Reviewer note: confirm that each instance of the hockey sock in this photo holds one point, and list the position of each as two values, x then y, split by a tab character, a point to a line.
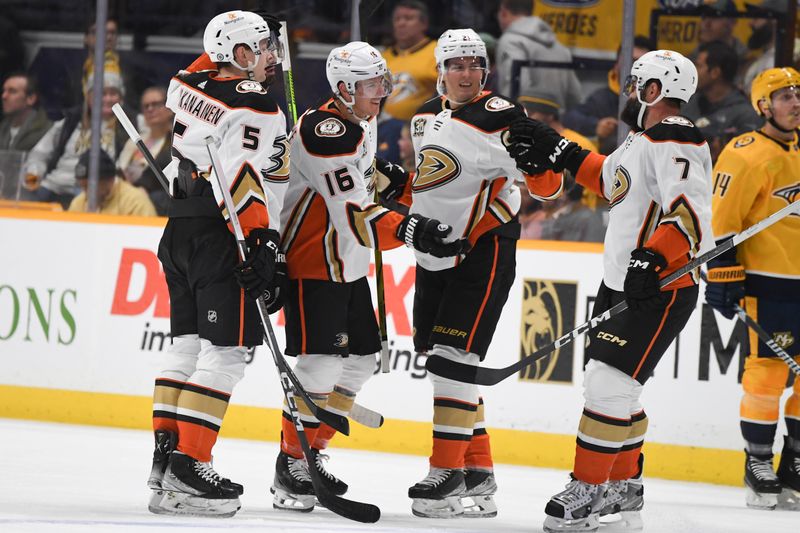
479	452
453	423
600	440
763	382
165	404
626	464
200	414
290	443
340	402
791	414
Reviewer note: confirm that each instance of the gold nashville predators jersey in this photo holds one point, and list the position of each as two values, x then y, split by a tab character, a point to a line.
464	175
658	186
413	78
754	177
252	131
329	218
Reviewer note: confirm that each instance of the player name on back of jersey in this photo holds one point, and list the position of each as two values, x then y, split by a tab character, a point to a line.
194	104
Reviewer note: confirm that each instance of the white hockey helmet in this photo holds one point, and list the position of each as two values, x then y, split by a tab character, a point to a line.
676	74
355	62
459	43
227	30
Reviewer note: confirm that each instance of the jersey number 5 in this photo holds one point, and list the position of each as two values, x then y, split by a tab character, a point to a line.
250	138
343	180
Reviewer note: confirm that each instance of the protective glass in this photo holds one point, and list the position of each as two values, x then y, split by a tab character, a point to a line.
273	45
377	87
630	86
474	64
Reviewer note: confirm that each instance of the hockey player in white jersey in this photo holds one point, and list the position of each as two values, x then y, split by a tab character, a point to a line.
330	221
658	185
213	318
465	177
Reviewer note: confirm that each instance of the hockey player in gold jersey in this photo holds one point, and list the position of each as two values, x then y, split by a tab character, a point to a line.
757	174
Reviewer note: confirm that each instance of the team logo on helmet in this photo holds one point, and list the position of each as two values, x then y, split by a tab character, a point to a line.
789	194
498	104
622	184
249	86
330	127
435	167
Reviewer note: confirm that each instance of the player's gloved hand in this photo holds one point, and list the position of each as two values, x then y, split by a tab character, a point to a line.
536	147
390	179
427	235
725	287
274	296
642	291
255	273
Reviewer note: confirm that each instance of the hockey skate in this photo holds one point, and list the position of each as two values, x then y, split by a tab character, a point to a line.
762	485
439	494
789	476
190	487
292	488
166	441
626	498
577	508
478	500
332	483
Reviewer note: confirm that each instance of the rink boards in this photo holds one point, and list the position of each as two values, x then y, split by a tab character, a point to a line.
84	316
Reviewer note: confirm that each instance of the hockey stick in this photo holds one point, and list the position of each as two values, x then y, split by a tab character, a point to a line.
763	335
360	512
385	360
288	79
338	422
366	417
492	376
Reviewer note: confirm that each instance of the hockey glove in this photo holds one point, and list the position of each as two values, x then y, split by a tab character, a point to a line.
725	287
427	235
536	147
390	179
255	273
642	286
274	296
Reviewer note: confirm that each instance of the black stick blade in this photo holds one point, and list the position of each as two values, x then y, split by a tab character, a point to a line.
357	511
338	422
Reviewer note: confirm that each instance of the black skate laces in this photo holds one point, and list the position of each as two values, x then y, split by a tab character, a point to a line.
762	470
297	469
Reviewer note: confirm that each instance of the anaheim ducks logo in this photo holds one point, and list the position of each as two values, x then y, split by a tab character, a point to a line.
541	324
249	86
790	194
330	127
435	167
342	340
498	104
622	184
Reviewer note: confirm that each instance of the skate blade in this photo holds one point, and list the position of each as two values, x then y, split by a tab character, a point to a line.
168	502
622	521
762	501
789	500
479	506
447	508
299	503
581	525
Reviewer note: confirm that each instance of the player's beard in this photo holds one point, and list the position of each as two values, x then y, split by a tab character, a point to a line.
630	113
269	80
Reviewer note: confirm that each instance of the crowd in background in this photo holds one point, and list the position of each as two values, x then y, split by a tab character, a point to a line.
54	133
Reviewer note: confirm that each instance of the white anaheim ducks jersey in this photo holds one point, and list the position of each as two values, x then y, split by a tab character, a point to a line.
252	131
329	217
464	176
658	185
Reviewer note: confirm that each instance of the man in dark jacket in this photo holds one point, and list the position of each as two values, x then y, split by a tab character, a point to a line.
24	122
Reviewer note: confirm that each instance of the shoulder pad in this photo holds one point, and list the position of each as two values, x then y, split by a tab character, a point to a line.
328	134
490	113
236	93
675	129
434	106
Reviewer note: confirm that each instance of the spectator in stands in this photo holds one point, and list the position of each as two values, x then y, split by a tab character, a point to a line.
542	105
51	164
528	38
24	122
719	28
112	60
406	149
410	59
762	39
719	108
158	139
115	196
597	116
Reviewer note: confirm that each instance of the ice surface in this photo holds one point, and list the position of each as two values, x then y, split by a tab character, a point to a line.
65	478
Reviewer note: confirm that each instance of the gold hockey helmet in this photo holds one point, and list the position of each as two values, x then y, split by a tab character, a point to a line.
769	81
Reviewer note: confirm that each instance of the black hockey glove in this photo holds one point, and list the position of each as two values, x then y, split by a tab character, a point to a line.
427	235
255	273
390	179
537	147
725	287
642	286
275	295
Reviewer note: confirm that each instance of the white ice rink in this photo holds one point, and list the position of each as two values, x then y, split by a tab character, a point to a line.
66	478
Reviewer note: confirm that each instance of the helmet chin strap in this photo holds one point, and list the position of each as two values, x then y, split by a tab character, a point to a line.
350	109
250	68
644	106
456	102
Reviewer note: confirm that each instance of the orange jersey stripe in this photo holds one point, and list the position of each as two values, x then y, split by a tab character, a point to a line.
544	185
590	173
655	336
485	296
